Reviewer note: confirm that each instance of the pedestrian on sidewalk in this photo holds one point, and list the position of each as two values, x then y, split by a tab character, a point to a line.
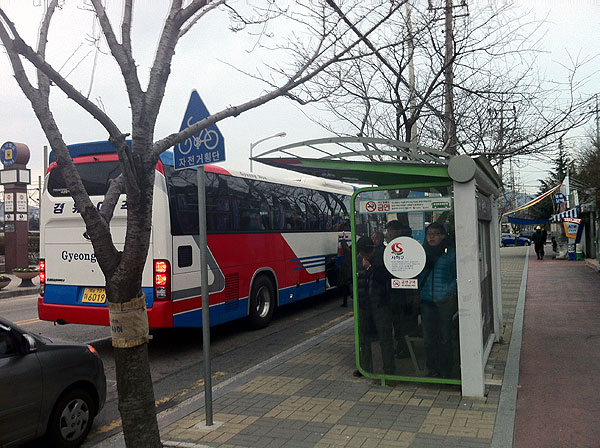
539	240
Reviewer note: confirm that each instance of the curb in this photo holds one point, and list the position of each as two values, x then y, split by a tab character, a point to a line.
504	426
593	264
18	291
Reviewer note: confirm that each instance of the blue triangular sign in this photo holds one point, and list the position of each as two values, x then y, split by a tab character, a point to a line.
205	147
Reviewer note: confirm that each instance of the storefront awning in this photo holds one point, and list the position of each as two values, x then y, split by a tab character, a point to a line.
571	213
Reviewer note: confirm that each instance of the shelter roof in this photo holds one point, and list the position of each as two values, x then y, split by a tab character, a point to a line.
370	161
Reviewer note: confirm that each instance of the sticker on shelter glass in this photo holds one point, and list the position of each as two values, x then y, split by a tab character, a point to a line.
430	204
405	283
404	257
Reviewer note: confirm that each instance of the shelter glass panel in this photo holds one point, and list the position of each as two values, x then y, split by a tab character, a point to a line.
405	284
485	274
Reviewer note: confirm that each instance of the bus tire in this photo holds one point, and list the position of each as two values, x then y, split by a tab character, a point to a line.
262	302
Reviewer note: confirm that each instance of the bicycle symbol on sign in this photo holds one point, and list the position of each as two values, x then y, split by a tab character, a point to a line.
208	138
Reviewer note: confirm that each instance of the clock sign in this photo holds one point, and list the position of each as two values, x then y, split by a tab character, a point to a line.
8	153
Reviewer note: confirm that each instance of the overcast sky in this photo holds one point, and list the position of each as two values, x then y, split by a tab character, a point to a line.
200	63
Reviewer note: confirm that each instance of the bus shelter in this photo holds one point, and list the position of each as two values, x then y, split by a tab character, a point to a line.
427	300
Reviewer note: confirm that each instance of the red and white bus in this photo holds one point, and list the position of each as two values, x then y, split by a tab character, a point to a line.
271	242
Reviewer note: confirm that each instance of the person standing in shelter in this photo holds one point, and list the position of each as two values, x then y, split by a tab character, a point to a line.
378	239
404	303
539	240
345	271
439	303
374	317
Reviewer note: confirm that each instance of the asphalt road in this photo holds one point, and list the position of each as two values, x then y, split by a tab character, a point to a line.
176	357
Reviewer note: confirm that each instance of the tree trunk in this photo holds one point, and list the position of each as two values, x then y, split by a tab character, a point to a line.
136	397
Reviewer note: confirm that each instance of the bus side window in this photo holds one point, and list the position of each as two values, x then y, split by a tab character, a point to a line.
184	256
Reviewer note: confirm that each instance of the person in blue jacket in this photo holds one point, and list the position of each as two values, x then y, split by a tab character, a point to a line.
437	283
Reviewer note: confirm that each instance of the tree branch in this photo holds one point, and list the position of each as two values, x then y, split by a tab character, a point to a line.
193	20
122	52
111	198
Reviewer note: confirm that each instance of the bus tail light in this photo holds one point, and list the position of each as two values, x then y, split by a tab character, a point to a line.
162	280
42	276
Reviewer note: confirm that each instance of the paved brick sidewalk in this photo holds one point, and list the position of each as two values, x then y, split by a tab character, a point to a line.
558	403
308	397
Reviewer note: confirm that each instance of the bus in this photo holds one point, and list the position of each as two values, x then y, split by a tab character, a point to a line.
271	242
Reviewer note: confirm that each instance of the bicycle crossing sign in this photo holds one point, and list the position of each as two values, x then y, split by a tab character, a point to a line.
207	146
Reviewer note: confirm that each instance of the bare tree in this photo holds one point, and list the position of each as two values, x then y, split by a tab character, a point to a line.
501	106
331	41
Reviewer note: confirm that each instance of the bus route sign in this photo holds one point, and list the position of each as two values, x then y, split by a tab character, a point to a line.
204	147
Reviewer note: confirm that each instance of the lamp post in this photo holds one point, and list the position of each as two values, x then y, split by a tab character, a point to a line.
252	145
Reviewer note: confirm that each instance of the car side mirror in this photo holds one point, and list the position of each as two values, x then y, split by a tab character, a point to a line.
30	344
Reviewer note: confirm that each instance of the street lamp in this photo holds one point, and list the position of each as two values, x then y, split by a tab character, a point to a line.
252	145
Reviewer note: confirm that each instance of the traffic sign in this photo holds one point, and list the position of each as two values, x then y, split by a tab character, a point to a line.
207	146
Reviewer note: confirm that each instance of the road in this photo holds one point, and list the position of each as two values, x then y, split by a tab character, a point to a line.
176	354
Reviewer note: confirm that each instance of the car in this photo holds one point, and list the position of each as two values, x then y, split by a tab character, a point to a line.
47	389
509	239
527	234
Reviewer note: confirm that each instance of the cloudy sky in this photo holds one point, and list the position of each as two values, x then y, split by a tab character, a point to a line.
206	60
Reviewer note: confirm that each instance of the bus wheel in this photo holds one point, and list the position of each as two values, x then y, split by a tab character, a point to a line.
262	302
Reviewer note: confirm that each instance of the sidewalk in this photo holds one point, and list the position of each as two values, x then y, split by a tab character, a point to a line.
308	397
558	404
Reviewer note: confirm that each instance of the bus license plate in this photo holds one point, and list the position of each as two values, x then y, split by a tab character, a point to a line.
94	295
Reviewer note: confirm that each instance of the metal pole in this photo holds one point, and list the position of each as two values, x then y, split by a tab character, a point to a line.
39	203
252	145
45	160
205	296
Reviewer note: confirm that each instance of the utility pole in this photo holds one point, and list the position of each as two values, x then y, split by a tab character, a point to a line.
597	124
449	122
411	76
501	142
450	138
499	113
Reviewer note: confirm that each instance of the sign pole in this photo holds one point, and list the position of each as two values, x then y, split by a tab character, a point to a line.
207	146
205	295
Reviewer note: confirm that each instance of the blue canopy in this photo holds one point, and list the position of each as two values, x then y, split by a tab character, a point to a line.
527	222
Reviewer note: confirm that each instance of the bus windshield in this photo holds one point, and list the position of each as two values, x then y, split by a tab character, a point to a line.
94	175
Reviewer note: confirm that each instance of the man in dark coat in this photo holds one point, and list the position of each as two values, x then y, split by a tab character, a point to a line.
539	240
374	315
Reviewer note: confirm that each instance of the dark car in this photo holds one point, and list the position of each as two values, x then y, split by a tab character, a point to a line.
47	389
527	234
510	239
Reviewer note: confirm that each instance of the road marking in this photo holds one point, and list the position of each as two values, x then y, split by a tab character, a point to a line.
116	423
33	320
105	428
330	323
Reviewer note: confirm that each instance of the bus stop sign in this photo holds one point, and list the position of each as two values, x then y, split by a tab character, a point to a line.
207	146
